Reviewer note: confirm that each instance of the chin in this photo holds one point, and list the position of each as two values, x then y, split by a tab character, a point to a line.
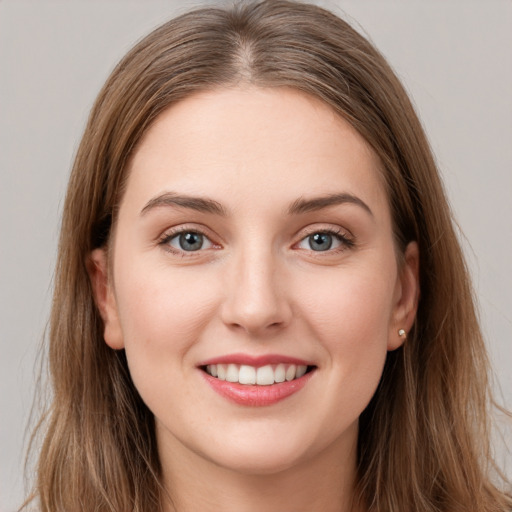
259	463
265	451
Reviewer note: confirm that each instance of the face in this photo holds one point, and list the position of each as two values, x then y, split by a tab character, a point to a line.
253	244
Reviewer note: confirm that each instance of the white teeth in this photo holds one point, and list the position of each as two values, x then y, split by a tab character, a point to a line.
290	372
265	376
262	376
247	375
221	371
233	372
301	370
280	373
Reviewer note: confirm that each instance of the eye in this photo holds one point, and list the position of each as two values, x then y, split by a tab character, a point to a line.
322	241
188	241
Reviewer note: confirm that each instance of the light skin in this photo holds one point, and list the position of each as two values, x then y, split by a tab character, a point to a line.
252	175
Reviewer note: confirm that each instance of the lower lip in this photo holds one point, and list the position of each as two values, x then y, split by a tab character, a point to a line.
256	396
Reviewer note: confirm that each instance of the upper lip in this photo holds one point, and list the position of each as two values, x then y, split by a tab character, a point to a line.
256	361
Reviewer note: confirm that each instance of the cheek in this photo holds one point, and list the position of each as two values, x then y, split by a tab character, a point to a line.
155	299
162	314
349	314
349	306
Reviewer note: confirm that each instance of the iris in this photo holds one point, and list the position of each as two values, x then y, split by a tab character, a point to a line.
320	241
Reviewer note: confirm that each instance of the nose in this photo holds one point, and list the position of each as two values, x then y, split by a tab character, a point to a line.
255	298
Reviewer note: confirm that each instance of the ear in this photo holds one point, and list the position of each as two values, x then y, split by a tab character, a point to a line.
407	293
104	296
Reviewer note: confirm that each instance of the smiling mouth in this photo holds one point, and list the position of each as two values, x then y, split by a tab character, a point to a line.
262	376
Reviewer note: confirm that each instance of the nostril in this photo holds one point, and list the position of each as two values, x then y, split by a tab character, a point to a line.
256	326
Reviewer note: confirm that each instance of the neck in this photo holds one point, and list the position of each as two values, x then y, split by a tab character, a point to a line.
321	483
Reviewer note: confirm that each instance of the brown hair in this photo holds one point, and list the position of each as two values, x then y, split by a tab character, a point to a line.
424	437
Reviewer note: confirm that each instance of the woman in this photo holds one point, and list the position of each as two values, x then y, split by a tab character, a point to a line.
260	301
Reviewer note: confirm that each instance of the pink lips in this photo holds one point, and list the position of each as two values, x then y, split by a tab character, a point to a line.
255	395
255	360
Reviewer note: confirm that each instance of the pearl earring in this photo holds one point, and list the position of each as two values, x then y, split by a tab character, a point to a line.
402	334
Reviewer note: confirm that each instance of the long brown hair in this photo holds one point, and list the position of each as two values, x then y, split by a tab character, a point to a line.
424	437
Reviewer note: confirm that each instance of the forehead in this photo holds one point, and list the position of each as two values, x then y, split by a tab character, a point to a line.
244	143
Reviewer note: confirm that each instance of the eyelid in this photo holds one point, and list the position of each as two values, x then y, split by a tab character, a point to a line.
170	233
344	236
174	241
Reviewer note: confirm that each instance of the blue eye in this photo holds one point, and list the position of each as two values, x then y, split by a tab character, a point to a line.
189	241
320	241
324	241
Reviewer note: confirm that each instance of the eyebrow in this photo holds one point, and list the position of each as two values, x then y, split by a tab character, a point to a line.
206	205
199	204
302	205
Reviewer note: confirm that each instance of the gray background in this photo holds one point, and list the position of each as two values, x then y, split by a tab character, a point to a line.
454	57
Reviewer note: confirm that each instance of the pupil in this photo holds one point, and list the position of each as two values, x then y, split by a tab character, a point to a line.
191	241
320	241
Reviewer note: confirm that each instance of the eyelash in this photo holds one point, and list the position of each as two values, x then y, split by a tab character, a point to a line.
170	235
346	242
